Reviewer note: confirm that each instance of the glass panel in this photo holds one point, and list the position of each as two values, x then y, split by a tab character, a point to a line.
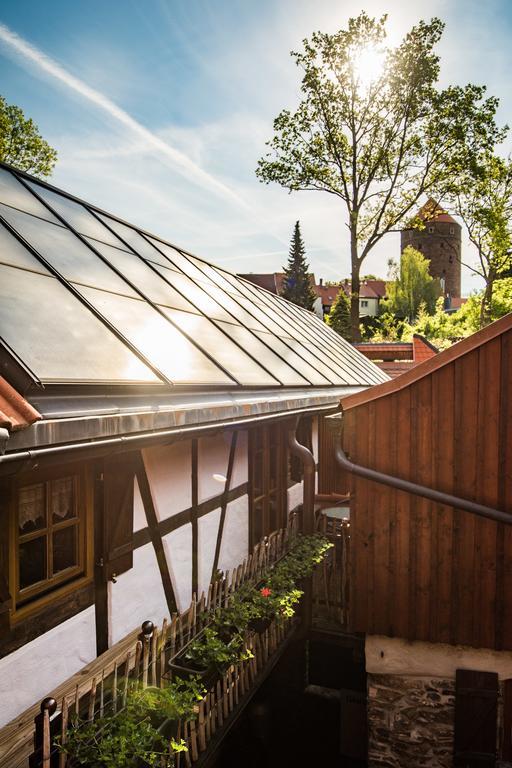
12	192
31	509
195	294
32	564
74	260
161	343
76	215
143	277
13	252
178	259
213	341
305	351
277	367
134	240
57	337
297	361
65	550
62	499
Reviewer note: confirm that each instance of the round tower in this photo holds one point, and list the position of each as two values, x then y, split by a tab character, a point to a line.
440	243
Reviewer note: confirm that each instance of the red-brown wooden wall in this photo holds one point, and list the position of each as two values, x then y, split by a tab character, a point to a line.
420	570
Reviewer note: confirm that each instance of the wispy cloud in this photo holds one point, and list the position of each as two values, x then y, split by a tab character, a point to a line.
179	161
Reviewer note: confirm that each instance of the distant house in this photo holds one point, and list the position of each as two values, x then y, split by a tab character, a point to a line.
370	295
396	358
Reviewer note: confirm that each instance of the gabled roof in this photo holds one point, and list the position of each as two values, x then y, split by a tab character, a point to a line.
15	412
433	211
446	357
88	299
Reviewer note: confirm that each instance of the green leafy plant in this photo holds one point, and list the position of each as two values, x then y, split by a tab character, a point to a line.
179	699
210	650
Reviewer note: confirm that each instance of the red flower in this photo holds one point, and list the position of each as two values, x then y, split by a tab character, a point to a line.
266	592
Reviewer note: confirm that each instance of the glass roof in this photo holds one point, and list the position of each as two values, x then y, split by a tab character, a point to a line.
87	298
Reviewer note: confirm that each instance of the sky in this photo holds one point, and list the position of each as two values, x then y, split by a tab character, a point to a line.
161	109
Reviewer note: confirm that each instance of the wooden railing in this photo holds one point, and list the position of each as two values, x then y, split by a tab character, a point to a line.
331	580
146	660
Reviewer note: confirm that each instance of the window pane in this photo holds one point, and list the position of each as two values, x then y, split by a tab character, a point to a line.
213	341
161	343
135	240
195	294
31	509
74	260
57	337
277	367
76	215
65	550
62	499
141	275
13	252
32	564
12	192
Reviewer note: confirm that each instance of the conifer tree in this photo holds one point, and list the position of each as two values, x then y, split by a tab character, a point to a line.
297	285
339	316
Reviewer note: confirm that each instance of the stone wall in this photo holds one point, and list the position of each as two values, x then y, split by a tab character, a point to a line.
410	721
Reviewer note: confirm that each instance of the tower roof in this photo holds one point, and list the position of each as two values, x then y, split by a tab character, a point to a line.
433	211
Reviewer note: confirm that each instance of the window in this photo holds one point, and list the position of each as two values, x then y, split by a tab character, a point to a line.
431	229
364	303
49	533
267	481
452	230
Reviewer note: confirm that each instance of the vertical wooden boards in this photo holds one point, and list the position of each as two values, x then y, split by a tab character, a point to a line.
195	500
381	511
504	534
401	530
359	537
443	398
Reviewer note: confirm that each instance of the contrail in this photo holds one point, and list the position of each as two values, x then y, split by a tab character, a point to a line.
177	159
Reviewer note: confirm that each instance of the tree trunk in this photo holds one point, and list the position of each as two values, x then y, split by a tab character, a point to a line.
485	306
354	293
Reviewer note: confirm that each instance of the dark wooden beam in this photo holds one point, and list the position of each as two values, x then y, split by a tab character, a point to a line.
155	535
224	502
100	556
195	502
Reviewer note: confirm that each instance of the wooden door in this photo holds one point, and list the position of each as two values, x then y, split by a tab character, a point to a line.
476	703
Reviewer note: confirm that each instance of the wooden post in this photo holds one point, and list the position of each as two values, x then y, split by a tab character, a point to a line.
147	632
43	737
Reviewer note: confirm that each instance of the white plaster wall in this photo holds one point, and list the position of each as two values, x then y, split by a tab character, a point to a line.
207	529
213	457
30	673
139	515
136	596
393	656
295	496
235	540
314	438
178	551
169	469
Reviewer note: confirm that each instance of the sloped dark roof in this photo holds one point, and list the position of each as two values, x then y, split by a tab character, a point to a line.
88	299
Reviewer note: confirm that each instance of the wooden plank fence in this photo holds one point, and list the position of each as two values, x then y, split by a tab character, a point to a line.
146	662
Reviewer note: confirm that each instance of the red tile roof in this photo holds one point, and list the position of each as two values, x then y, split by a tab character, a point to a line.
492	331
15	412
274	282
432	211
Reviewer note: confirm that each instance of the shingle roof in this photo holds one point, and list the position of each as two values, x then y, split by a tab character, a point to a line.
88	299
15	412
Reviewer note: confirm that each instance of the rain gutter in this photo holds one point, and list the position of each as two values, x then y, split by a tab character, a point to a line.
409	487
12	463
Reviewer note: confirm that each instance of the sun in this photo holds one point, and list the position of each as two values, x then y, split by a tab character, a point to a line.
368	66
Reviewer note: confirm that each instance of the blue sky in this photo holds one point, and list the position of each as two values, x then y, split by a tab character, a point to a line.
160	110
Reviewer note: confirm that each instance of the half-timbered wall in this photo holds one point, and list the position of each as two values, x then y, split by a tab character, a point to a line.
183	494
420	570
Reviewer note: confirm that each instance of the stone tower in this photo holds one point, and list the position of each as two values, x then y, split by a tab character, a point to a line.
440	243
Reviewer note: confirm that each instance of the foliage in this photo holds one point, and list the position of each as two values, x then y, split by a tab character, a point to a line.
339	315
483	200
443	328
412	285
373	129
297	284
209	649
21	144
117	741
177	700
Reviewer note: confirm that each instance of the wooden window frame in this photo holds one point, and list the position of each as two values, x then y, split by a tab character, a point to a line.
273	484
31	599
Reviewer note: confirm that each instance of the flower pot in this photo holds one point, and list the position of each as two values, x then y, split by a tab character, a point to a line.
260	624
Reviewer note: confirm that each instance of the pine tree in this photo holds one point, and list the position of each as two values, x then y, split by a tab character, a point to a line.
339	316
297	285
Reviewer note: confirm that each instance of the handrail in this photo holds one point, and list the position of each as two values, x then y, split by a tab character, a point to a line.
414	488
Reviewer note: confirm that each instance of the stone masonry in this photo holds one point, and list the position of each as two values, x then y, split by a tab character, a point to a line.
410	722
